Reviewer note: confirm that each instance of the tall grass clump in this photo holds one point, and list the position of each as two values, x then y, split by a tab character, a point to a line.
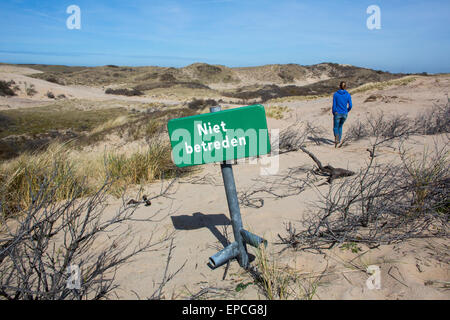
276	112
278	282
428	176
21	178
273	281
81	173
142	166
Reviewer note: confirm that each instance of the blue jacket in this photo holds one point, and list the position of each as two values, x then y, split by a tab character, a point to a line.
340	100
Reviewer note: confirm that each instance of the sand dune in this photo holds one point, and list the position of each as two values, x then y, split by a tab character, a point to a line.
20	76
414	269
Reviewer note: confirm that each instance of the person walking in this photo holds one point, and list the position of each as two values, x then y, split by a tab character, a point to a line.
341	99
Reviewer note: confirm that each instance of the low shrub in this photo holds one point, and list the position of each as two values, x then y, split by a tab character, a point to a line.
124	92
197	104
5	88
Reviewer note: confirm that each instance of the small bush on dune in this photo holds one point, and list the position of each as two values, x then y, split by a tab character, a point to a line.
197	104
5	88
124	92
53	79
295	136
435	121
381	126
31	91
388	128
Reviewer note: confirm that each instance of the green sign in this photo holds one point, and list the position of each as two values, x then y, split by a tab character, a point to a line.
219	136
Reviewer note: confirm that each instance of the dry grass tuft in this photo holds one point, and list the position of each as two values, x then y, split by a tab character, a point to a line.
384	84
276	112
278	282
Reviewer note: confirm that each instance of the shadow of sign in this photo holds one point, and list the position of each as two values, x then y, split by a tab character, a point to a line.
199	220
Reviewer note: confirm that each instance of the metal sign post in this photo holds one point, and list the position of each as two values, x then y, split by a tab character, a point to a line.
237	249
221	136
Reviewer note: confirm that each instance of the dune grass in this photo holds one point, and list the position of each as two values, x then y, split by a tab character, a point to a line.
297	98
276	112
21	179
280	282
383	84
81	173
142	166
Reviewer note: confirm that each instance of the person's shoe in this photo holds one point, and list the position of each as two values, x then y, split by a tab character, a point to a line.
336	141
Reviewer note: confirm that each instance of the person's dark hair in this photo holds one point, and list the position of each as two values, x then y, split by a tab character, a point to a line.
343	85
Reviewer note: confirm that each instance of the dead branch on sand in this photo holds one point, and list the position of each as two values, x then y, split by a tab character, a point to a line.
332	172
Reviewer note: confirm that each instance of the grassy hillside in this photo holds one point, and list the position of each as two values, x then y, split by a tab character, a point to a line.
260	82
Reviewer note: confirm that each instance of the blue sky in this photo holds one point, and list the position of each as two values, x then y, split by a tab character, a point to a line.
414	35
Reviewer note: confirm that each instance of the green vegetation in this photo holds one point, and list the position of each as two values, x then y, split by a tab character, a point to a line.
363	88
242	286
53	68
124	92
82	173
42	156
33	129
23	177
276	112
352	246
147	165
54	117
198	104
